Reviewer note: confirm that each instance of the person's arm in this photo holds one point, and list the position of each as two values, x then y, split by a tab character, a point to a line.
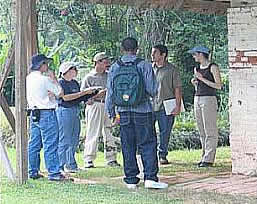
217	84
176	82
53	86
151	84
109	105
178	96
70	97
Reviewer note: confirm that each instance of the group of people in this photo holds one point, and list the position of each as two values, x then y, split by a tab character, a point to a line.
134	89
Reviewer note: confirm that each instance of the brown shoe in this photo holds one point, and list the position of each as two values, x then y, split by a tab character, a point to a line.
164	161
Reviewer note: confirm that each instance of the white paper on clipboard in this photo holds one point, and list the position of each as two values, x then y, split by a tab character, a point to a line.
170	104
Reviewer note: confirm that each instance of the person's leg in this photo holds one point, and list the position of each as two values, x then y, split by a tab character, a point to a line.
147	144
94	123
72	164
129	148
110	142
71	129
198	105
65	131
211	131
34	147
50	135
165	125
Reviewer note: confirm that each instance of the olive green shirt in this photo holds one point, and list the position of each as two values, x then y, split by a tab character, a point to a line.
168	79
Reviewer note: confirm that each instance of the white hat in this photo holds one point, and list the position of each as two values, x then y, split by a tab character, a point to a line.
65	66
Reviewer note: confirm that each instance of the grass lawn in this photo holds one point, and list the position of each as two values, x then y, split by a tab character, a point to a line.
111	190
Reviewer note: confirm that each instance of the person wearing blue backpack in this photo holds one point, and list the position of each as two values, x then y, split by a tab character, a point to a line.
130	85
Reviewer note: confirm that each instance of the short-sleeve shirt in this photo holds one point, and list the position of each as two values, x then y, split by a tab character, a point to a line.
69	87
38	87
95	79
168	78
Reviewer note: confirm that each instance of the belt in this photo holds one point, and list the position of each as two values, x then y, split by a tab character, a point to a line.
51	109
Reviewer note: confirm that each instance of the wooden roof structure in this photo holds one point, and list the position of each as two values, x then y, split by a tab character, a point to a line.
25	47
203	6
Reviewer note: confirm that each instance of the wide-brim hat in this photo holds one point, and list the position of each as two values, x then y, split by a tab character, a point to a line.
38	60
100	56
200	49
65	67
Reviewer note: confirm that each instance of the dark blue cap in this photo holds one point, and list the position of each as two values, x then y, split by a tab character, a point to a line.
201	49
38	60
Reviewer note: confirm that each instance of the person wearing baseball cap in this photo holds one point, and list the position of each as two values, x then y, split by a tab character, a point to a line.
43	122
68	116
38	60
206	81
98	123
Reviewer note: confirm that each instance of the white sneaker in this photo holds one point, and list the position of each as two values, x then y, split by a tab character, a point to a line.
131	186
72	170
155	185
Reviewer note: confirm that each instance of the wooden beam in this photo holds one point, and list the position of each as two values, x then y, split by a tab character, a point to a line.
208	7
22	7
5	161
7	111
203	6
7	67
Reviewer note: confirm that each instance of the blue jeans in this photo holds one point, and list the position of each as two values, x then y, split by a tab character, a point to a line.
44	134
165	123
69	131
136	131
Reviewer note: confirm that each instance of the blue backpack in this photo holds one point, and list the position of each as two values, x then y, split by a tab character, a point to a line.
128	84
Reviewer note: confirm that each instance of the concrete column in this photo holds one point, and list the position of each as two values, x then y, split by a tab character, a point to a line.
242	27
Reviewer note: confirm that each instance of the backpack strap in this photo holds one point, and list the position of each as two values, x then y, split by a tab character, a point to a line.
136	62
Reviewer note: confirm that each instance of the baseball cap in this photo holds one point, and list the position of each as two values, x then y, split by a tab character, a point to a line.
201	49
100	56
38	60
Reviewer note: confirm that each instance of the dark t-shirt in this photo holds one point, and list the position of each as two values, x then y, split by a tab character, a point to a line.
71	87
202	88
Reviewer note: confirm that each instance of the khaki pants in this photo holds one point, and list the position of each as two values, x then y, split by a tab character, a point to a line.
205	108
98	124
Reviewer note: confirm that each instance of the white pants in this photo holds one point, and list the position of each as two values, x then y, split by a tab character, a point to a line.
99	125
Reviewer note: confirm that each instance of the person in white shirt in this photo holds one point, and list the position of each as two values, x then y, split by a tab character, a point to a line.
42	90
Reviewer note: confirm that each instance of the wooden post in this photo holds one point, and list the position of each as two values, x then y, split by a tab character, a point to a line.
32	41
20	102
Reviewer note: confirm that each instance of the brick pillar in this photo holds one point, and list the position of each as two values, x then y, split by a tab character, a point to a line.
242	28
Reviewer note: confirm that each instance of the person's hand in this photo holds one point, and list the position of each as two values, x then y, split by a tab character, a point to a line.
88	91
100	94
51	75
116	120
90	102
198	75
194	81
176	110
51	95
